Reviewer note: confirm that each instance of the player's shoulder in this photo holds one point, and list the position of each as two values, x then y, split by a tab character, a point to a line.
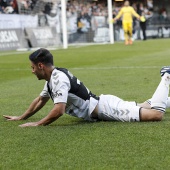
126	8
58	75
123	8
131	8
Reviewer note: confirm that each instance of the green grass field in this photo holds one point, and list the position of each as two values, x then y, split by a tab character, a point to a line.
130	72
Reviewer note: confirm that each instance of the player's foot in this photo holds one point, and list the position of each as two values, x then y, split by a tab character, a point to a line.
130	42
165	69
126	42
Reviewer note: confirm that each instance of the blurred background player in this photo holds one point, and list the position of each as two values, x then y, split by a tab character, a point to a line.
127	12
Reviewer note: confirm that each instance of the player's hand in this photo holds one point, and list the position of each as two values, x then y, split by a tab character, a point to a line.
12	117
142	19
112	20
30	124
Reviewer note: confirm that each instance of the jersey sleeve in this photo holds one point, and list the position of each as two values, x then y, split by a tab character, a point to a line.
134	13
60	86
44	92
119	14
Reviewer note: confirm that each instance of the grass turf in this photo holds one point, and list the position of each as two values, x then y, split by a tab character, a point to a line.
130	72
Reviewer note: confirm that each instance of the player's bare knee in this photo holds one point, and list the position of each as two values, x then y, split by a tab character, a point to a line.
150	115
144	105
158	115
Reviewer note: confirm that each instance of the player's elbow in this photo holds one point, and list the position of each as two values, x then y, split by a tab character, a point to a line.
60	113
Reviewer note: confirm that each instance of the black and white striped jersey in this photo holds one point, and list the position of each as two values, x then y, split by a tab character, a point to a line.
66	88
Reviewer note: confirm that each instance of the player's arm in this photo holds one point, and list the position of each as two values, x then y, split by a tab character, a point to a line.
134	13
118	15
35	106
57	111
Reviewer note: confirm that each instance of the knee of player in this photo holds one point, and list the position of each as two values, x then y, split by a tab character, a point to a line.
158	115
151	115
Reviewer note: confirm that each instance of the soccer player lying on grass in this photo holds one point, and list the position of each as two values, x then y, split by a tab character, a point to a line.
70	96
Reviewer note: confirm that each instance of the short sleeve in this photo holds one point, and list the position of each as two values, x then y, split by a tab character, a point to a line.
44	92
60	86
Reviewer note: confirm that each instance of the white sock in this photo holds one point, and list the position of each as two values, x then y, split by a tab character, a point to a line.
167	105
159	98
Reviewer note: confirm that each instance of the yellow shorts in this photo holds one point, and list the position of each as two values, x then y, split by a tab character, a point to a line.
127	27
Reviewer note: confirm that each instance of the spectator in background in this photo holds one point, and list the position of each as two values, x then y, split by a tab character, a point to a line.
5	6
9	6
83	21
71	14
1	10
163	16
14	4
8	10
2	5
24	6
135	22
32	4
150	5
141	12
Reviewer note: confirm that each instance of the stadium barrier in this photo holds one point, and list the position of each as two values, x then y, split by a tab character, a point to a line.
25	31
11	21
45	30
12	39
42	37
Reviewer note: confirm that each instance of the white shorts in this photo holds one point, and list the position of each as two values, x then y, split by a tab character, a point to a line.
113	108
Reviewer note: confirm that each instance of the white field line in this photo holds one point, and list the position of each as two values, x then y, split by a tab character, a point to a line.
78	68
94	68
11	53
117	67
24	50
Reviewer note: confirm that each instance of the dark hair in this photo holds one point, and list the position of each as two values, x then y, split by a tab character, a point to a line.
41	55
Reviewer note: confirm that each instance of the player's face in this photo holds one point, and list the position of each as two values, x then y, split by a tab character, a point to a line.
37	70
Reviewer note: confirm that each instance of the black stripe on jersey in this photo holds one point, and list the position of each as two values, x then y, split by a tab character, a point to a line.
77	87
49	91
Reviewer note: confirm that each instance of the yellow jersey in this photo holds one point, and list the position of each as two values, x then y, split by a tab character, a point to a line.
127	12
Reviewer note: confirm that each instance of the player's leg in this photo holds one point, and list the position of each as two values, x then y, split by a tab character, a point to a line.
130	31
147	103
143	27
112	108
158	101
150	115
125	29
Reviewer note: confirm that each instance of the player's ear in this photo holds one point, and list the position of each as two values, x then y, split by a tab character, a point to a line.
40	66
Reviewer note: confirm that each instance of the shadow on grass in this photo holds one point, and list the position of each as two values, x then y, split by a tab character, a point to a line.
67	120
